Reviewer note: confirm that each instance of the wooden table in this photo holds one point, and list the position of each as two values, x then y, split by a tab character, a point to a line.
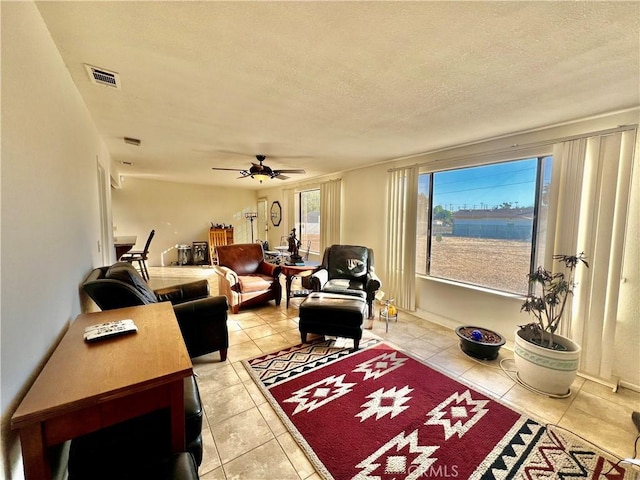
88	386
290	271
123	244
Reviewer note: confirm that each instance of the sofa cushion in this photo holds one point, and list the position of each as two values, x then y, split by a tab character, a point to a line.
125	272
345	286
254	283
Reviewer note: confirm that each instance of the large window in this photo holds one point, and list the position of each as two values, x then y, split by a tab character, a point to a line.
308	219
481	225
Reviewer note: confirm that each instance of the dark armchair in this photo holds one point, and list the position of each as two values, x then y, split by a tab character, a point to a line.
245	278
349	270
135	448
202	318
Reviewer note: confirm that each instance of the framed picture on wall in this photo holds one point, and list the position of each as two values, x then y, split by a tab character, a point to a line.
200	253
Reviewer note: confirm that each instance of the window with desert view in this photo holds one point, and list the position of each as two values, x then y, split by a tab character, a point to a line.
481	225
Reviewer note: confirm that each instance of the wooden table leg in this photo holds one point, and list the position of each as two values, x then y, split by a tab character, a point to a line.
34	453
177	417
288	282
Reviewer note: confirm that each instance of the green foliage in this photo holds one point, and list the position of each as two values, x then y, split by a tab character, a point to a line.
549	294
440	213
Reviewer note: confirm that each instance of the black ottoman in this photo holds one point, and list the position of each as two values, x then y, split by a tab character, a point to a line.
333	314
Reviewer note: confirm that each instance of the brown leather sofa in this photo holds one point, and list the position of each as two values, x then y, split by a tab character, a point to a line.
245	278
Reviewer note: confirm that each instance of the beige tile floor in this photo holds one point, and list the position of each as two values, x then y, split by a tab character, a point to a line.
244	439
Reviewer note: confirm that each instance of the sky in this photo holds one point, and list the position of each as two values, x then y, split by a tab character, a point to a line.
486	186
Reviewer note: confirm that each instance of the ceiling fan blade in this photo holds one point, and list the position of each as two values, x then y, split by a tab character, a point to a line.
229	169
299	170
281	177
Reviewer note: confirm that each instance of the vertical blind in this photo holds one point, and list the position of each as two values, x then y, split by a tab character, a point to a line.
591	185
402	207
330	207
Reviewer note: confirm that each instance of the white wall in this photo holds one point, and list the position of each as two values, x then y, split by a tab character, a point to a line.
50	216
180	213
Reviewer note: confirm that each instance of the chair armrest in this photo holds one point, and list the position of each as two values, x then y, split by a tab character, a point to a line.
318	278
228	274
203	323
373	282
184	292
215	306
270	269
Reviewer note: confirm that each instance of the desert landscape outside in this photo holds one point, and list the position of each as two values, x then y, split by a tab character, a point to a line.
493	263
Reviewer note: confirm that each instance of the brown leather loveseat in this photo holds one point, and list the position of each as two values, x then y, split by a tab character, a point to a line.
245	278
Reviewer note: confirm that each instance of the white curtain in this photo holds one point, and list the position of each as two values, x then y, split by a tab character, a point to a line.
401	236
591	184
289	209
330	208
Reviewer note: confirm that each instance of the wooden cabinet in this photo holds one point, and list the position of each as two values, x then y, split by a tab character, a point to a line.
219	236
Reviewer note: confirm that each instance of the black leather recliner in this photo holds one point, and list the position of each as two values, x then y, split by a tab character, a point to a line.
202	318
347	270
136	448
140	448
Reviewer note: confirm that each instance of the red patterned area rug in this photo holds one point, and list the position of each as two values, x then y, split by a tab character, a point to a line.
380	414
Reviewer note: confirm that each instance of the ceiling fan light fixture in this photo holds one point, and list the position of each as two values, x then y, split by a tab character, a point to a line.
260	176
261	172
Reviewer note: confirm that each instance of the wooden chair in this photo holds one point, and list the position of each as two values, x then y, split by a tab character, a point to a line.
216	238
140	256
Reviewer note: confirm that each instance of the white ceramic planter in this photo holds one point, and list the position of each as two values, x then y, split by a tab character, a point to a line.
549	371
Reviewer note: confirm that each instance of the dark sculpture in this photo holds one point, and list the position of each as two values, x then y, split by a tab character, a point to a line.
294	247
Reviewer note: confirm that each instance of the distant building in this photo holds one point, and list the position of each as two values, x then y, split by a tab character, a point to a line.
500	223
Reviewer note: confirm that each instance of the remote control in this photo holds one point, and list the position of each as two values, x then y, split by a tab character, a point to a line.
109	329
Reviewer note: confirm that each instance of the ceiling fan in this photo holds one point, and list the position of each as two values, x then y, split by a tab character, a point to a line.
262	172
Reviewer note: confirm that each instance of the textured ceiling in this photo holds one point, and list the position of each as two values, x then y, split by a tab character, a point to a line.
329	86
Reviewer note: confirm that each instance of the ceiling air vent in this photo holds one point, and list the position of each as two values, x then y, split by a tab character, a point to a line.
100	76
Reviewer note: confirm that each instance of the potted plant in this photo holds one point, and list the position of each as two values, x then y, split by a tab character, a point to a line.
545	360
